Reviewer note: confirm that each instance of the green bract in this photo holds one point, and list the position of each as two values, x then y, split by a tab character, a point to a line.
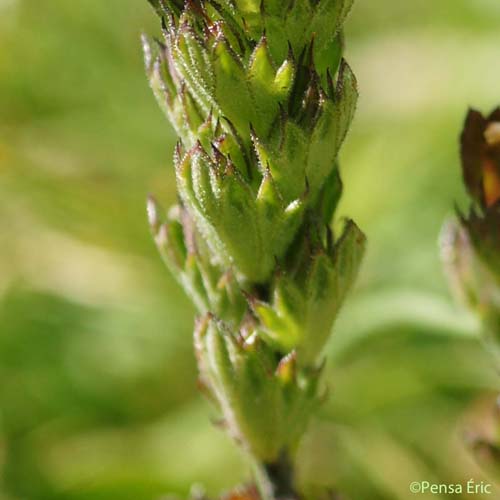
261	100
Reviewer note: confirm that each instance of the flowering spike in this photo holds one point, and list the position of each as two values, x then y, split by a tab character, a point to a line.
257	175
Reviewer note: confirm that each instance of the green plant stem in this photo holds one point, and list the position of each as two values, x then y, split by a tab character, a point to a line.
275	480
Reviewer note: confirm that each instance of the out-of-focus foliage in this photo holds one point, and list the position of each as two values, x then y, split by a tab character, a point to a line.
98	394
471	243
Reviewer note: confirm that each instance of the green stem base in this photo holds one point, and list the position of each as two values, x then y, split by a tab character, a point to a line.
275	481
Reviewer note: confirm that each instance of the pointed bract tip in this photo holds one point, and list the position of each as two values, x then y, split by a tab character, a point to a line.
152	209
287	368
161	237
201	325
179	151
250	298
146	50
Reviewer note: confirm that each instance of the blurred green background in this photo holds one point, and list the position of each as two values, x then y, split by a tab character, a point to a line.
98	394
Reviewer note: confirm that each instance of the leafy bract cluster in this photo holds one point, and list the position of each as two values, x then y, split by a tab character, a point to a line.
261	100
258	139
265	405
